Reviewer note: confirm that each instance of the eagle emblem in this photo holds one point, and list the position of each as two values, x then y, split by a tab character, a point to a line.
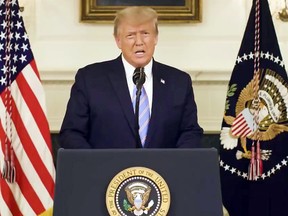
272	116
138	195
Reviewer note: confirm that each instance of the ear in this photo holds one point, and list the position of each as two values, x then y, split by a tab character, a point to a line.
118	41
156	40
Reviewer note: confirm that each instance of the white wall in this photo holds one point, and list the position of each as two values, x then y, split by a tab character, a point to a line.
207	50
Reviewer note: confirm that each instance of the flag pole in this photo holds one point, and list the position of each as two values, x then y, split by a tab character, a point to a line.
9	170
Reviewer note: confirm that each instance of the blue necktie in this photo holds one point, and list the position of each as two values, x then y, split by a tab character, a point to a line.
144	114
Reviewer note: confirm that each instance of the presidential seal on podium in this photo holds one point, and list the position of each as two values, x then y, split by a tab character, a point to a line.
138	191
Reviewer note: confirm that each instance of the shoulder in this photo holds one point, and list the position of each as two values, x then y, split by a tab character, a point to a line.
170	71
97	67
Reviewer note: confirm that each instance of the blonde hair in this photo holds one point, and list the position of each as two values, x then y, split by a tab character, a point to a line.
136	15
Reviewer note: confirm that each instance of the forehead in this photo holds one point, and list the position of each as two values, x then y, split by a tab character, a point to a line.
137	27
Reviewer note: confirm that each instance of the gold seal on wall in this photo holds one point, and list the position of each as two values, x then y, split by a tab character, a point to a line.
138	191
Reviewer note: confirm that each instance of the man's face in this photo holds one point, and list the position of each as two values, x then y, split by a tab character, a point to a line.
137	42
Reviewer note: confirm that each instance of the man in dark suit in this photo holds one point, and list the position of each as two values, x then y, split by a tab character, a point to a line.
100	112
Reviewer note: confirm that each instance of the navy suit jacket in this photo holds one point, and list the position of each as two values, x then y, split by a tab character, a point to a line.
100	113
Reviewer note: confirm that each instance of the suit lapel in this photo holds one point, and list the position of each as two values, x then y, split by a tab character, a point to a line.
118	79
159	87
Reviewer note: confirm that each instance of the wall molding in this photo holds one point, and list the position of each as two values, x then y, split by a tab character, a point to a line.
209	89
197	76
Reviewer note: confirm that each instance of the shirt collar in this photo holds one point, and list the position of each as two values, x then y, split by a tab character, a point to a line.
129	69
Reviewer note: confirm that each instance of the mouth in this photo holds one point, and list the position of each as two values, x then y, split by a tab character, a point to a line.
140	52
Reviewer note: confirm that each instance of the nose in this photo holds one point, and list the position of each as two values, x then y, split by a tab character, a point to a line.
139	40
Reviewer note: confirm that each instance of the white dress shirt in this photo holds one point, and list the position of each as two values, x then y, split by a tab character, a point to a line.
148	85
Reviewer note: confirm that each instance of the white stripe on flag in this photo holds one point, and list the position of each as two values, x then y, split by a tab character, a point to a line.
36	85
32	129
22	203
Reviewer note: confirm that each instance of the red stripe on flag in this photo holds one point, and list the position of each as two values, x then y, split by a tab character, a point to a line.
239	120
240	117
35	109
26	188
238	128
5	190
35	69
31	151
244	132
9	199
236	124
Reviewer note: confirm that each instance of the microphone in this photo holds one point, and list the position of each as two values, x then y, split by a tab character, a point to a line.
138	79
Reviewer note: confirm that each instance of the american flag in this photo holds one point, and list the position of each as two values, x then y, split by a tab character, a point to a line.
26	161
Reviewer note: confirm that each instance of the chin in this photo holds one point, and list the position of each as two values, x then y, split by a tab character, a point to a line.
141	63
